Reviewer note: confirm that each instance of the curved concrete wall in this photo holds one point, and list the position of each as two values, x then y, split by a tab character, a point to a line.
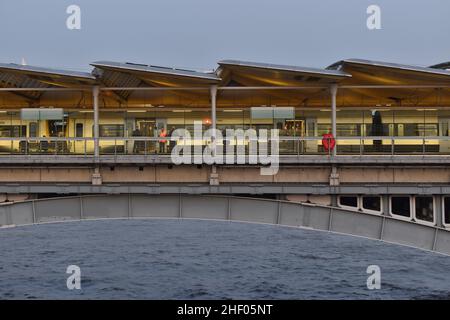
284	213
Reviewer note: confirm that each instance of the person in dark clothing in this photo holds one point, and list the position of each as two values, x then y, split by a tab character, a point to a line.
172	142
136	144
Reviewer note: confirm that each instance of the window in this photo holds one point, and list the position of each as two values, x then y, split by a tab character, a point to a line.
348	201
13	131
424	208
110	130
372	203
33	129
342	129
401	206
447	210
79	130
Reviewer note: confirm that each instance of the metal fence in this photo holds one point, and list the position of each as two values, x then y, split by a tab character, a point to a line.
295	146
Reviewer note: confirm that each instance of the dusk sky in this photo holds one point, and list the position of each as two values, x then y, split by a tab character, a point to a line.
198	33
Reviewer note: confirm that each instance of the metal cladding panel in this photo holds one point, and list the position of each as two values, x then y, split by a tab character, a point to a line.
402	232
205	207
4	216
22	213
99	207
292	215
319	217
254	210
357	224
161	206
67	209
443	242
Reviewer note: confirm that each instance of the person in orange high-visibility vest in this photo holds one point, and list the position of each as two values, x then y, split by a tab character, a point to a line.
162	142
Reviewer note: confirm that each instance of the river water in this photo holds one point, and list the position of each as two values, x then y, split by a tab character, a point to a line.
186	259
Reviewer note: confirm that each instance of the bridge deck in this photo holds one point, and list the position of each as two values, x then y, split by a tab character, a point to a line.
322	218
283	159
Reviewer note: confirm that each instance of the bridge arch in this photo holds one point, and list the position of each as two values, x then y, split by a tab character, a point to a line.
231	208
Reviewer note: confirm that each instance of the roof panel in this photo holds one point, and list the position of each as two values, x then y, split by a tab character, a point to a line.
150	69
443	65
12	67
285	68
389	65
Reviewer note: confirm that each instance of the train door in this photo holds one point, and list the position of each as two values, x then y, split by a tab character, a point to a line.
311	146
79	144
444	131
58	129
145	128
290	128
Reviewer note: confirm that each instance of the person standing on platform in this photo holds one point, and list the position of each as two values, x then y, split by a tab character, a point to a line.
162	142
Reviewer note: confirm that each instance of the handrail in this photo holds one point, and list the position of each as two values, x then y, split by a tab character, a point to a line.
281	138
287	145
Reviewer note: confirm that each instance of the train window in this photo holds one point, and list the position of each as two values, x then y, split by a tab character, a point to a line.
79	130
401	206
111	130
33	129
13	131
447	210
372	203
424	208
348	201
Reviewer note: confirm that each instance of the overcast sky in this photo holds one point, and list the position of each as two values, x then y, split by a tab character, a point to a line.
198	33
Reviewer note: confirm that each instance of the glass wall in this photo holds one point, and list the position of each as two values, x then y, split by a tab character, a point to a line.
359	131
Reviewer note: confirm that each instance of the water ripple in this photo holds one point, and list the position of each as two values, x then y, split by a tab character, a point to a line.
186	259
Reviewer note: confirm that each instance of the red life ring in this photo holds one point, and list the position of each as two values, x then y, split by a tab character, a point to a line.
328	142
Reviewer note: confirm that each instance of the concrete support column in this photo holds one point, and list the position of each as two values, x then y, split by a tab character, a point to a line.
334	177
439	199
95	93
96	176
214	177
213	92
333	90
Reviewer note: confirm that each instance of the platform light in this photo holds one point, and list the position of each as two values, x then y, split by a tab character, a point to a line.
181	111
232	110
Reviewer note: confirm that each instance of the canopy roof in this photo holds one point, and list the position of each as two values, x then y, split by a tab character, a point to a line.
23	76
156	75
362	82
246	73
366	72
443	65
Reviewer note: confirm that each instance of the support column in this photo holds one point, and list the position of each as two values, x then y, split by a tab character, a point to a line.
213	92
333	90
95	93
214	177
96	176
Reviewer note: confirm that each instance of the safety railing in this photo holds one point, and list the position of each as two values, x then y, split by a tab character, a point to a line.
294	146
